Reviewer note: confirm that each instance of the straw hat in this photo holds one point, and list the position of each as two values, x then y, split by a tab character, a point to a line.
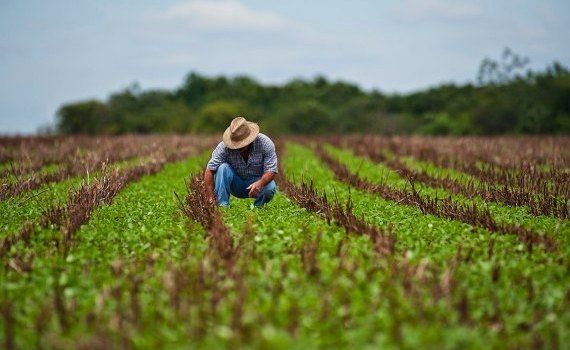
240	133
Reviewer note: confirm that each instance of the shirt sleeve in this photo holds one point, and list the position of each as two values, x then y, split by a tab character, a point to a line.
269	157
219	156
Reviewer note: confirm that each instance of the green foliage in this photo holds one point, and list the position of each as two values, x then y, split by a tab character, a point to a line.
29	206
141	275
82	118
445	124
374	172
506	100
165	117
216	116
304	117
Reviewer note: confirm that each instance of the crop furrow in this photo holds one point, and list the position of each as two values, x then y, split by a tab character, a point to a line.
501	152
544	204
82	202
414	280
442	207
73	163
198	208
508	165
77	211
306	196
222	249
30	154
13	189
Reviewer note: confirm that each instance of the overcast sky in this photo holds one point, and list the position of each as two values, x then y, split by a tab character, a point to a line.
52	52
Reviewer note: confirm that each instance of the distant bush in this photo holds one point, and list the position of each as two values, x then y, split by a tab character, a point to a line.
506	100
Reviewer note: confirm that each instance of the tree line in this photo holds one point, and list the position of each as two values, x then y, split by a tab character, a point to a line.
507	98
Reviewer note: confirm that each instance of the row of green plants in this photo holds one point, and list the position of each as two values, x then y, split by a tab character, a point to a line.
501	213
434	238
64	288
141	274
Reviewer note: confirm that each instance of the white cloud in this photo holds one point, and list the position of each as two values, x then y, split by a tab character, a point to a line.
223	15
438	9
228	36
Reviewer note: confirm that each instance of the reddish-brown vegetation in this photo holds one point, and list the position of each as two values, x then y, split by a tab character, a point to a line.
238	292
443	207
532	165
546	204
306	196
82	155
463	152
224	256
198	208
23	234
78	209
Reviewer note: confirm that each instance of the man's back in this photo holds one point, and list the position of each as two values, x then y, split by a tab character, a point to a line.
262	158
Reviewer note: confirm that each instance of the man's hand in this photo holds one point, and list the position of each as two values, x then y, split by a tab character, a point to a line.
211	198
209	186
254	189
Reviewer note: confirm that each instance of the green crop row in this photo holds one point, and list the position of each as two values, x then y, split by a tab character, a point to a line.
29	206
10	178
143	221
518	216
436	240
141	275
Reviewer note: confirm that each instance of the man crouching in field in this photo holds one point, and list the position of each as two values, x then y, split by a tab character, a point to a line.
244	164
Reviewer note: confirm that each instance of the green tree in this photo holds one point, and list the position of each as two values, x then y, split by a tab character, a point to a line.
82	118
304	117
505	100
216	116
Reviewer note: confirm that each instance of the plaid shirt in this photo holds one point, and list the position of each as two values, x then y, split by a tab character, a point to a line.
262	158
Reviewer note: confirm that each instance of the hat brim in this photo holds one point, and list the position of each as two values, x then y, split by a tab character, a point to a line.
253	127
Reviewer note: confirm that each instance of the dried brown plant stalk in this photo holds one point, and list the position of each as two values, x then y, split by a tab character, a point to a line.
198	208
84	155
306	196
533	165
543	203
444	207
82	201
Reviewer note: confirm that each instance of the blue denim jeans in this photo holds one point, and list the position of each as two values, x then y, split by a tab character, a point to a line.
228	182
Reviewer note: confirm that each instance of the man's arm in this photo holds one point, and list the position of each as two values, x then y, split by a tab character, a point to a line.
255	187
218	157
209	185
269	168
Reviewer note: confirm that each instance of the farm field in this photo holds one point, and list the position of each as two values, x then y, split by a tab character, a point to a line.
370	242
